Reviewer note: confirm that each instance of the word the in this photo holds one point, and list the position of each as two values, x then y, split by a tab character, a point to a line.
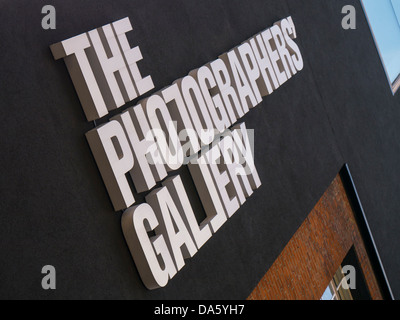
103	68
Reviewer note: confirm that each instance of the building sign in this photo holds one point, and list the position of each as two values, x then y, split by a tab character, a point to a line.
192	122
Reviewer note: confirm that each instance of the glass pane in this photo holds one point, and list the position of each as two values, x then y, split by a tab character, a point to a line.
327	294
386	28
396	7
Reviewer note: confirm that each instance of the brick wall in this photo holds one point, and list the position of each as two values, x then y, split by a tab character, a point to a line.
307	264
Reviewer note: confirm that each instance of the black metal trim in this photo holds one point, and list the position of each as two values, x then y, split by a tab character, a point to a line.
365	231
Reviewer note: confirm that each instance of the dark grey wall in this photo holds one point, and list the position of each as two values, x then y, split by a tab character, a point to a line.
54	207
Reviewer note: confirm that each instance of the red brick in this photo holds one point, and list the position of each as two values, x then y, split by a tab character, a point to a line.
309	261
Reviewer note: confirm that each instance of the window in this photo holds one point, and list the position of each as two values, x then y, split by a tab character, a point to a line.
384	20
336	290
352	288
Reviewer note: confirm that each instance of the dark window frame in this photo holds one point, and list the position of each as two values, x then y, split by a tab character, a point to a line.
365	231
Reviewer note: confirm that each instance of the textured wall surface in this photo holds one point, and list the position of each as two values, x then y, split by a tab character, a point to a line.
309	261
55	210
